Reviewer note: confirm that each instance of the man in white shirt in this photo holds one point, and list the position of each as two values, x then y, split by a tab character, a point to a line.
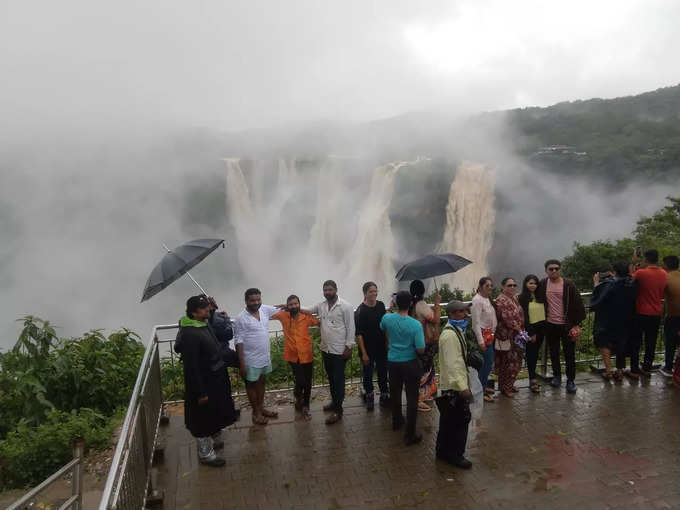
251	336
337	339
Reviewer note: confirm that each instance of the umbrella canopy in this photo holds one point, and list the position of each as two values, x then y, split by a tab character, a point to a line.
432	265
177	262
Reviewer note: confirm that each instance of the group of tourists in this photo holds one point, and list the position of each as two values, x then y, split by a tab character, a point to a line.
400	343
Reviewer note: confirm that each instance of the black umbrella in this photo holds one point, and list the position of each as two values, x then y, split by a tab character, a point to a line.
432	265
177	262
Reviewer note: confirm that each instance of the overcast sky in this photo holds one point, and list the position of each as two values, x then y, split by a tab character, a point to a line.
233	65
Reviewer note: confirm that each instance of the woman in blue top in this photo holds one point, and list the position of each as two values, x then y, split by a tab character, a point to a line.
405	340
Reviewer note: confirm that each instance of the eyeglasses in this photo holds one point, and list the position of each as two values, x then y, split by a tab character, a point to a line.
551	269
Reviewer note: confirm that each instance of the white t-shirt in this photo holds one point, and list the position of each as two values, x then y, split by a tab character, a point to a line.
254	335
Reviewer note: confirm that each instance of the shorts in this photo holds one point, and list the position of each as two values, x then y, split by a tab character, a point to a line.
253	374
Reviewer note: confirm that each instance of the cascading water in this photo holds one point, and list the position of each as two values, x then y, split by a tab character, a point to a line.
470	222
374	248
327	234
249	238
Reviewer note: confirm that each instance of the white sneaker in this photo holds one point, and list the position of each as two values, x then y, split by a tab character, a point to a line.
665	372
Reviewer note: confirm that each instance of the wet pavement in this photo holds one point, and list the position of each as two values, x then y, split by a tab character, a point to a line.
608	446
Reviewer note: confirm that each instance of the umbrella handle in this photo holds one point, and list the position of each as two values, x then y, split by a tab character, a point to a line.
435	284
189	274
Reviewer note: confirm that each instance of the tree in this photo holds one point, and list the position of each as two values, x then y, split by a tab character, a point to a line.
661	230
587	259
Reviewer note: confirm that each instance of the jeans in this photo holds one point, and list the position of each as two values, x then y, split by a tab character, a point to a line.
380	363
454	419
302	373
487	366
335	369
554	334
671	330
405	374
534	348
647	327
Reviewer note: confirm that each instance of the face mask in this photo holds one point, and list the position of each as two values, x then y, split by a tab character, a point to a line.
462	323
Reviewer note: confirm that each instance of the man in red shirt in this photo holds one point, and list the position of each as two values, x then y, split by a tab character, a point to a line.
651	282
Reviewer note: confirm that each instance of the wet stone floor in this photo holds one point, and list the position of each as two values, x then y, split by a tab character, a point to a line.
608	446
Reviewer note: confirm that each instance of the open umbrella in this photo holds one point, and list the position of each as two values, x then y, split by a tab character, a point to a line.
432	265
177	262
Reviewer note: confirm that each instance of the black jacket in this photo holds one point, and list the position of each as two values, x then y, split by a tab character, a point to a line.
205	375
574	311
613	302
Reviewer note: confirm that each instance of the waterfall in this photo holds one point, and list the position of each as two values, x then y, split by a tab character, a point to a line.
250	240
370	257
327	234
470	222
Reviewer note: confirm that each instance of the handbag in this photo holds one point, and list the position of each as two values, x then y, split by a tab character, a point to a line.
473	356
521	340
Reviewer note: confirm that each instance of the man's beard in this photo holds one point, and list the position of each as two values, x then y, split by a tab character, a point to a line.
294	311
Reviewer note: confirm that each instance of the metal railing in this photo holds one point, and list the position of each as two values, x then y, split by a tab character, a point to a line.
129	477
75	467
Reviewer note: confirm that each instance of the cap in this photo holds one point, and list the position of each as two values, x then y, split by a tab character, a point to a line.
453	306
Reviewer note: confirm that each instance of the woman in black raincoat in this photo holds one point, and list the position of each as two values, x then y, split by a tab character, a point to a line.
208	408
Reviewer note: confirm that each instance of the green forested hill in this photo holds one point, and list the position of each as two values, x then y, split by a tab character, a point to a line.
622	138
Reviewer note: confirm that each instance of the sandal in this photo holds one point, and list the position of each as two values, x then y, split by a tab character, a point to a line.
269	414
618	375
306	414
535	387
489	391
424	407
489	398
606	376
508	394
260	420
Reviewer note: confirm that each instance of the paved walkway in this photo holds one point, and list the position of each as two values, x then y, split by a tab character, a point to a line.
609	446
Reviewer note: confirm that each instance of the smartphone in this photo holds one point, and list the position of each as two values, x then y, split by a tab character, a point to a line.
638	251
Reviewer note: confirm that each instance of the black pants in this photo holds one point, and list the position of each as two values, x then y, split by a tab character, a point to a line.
644	327
302	373
672	334
534	348
405	374
335	369
454	419
554	334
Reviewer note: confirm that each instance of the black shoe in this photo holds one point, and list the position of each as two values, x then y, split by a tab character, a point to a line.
398	423
329	407
556	382
333	418
571	387
218	444
462	463
408	441
216	462
385	402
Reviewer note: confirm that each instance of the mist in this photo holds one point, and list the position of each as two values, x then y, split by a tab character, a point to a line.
117	120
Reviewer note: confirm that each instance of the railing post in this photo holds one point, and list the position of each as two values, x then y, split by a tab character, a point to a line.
77	481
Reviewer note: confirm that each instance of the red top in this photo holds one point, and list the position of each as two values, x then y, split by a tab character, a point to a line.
651	283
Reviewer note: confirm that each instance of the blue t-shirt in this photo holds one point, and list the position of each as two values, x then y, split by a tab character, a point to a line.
405	336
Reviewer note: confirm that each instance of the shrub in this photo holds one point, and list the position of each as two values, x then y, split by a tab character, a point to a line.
30	454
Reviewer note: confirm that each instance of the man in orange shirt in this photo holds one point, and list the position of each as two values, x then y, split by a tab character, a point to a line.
297	350
651	282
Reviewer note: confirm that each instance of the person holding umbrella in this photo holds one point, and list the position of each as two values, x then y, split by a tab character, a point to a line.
207	407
